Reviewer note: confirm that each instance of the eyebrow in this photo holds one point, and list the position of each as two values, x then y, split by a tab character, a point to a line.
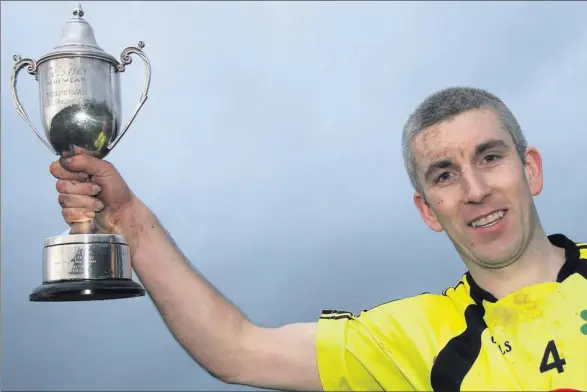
479	150
489	144
438	165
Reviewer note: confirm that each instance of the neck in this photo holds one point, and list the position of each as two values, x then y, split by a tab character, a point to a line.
539	263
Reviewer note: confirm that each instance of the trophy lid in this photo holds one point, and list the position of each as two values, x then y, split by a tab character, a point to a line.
77	37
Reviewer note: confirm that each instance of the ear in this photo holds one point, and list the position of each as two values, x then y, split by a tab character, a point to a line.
427	213
533	169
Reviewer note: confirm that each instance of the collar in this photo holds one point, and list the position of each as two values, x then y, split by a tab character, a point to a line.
571	265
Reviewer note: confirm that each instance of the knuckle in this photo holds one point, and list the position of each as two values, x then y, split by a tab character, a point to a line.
91	189
108	166
71	162
87	202
98	205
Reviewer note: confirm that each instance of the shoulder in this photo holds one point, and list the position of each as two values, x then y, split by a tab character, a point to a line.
408	315
393	343
422	303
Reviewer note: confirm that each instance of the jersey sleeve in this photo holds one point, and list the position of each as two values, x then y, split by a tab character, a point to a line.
369	352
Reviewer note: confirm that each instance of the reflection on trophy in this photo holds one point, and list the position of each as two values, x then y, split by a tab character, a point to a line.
79	87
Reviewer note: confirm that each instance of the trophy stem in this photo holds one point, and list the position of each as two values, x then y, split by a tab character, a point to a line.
86	227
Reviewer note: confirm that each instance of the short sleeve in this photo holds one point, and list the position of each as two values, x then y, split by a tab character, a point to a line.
354	356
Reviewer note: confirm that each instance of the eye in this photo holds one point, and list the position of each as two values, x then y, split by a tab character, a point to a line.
492	158
445	176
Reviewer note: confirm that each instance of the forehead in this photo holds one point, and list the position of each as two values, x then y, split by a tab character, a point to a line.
458	136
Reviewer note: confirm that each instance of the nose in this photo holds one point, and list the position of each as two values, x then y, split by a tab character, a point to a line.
476	187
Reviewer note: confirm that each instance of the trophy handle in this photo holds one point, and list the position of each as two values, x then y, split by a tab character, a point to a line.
125	60
32	69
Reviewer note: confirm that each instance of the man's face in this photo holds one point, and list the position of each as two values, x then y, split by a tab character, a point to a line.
476	187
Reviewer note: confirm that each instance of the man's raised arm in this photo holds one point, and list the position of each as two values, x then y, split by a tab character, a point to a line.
211	329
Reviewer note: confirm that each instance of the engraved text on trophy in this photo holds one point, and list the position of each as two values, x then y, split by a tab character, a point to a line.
69	79
76	264
80	104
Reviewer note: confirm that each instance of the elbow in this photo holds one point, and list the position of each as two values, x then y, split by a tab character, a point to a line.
228	361
229	367
232	373
225	375
223	368
232	376
223	371
237	366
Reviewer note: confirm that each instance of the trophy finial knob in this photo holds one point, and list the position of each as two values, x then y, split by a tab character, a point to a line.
78	11
77	34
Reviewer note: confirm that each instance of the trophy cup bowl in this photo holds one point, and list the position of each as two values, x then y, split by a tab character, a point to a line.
80	102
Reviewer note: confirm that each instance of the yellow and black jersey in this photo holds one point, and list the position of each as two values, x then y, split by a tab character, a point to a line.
465	339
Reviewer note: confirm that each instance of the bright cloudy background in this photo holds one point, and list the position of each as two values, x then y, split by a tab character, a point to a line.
270	149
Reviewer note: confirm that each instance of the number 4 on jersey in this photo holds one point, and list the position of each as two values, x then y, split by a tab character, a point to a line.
551	359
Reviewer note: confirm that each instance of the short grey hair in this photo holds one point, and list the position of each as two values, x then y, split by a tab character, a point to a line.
446	104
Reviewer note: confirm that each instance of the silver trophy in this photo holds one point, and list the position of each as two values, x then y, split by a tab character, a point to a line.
79	87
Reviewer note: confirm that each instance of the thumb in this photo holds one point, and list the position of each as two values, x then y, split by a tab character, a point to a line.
92	166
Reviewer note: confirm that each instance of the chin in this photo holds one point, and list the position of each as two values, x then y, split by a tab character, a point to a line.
496	263
497	255
494	254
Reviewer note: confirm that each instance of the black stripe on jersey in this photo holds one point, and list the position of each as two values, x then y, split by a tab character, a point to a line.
477	293
456	359
572	255
339	317
331	314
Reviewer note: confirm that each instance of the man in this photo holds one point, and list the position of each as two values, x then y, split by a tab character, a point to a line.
515	321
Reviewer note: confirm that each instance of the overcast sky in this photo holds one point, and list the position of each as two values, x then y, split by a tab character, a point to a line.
270	149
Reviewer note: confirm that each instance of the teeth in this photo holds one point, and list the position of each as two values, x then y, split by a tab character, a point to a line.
489	219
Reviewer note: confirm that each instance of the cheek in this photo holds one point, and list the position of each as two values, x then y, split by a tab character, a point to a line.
509	177
443	208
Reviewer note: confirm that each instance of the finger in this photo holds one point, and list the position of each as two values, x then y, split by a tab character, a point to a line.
78	187
74	151
59	172
77	215
88	164
87	203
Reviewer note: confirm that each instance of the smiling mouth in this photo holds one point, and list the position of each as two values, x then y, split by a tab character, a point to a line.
489	220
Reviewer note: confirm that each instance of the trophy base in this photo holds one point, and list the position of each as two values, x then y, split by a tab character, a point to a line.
86	267
86	290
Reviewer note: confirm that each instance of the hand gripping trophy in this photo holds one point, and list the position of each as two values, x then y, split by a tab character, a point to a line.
80	106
